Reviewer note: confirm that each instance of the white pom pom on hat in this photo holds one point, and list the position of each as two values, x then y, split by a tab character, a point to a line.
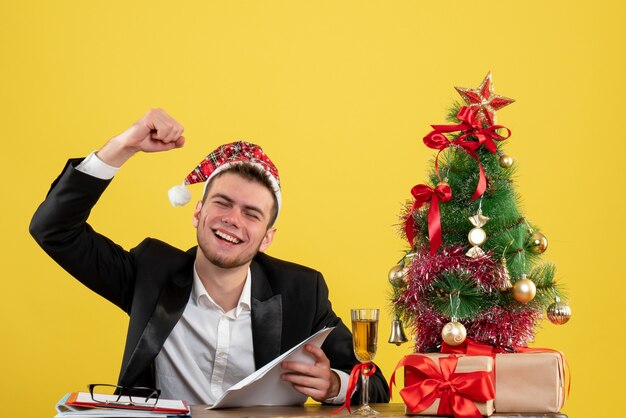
179	195
220	159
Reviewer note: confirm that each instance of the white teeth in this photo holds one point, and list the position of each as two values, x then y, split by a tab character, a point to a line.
227	237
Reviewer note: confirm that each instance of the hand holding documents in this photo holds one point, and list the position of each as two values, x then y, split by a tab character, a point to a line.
265	387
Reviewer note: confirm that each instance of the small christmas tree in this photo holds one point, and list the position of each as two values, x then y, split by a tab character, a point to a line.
472	267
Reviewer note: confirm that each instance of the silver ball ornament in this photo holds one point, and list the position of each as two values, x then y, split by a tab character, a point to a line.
559	313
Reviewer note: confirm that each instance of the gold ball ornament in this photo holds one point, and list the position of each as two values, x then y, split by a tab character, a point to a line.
524	290
453	333
397	274
505	161
559	313
537	243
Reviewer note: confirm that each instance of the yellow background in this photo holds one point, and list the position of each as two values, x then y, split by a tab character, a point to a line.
339	94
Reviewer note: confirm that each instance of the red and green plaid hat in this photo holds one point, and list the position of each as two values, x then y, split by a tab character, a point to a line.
225	156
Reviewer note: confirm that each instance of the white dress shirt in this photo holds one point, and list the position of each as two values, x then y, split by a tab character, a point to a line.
209	350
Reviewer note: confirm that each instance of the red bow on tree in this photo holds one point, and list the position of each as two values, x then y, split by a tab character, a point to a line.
457	391
470	128
424	194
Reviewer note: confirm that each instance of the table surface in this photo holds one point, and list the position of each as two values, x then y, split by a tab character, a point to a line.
386	410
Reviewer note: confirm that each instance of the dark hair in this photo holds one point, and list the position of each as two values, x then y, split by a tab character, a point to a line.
252	173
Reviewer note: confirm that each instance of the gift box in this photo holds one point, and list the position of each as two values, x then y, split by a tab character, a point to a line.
529	382
443	382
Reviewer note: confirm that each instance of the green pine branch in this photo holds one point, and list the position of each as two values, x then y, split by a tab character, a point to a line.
458	284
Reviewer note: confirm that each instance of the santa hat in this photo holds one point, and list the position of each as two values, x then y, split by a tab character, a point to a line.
225	156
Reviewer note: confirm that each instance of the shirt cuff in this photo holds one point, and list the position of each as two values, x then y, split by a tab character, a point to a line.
95	167
341	396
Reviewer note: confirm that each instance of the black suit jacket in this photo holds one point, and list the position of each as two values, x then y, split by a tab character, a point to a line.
152	283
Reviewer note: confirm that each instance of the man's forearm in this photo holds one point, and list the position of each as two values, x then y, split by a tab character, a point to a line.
115	152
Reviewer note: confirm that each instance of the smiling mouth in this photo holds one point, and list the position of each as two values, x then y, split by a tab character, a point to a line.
226	237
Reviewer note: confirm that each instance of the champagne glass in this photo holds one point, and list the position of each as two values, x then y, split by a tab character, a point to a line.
364	338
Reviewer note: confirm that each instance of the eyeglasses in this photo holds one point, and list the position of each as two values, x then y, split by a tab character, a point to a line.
124	396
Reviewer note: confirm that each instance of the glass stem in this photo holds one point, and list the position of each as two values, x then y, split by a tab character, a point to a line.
365	390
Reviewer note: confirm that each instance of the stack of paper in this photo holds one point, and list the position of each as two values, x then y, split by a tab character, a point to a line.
80	405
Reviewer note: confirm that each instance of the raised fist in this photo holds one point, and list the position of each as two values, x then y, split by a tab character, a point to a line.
155	131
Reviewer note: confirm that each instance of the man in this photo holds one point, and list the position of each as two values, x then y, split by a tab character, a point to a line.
200	320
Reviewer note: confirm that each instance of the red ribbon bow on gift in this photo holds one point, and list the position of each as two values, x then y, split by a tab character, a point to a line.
366	369
424	194
457	391
470	128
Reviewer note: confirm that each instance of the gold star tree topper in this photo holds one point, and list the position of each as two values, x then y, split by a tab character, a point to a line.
484	100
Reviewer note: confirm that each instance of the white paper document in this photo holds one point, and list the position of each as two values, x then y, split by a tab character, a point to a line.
265	387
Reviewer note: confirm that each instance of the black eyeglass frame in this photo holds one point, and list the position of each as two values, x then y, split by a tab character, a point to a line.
148	402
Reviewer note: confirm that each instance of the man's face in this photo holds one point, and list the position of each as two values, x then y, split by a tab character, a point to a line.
232	224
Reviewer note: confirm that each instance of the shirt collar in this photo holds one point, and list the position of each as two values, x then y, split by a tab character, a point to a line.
202	298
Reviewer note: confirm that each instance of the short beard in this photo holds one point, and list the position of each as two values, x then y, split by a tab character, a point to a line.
227	263
224	263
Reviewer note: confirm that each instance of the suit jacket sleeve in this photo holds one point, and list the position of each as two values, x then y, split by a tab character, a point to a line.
60	227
